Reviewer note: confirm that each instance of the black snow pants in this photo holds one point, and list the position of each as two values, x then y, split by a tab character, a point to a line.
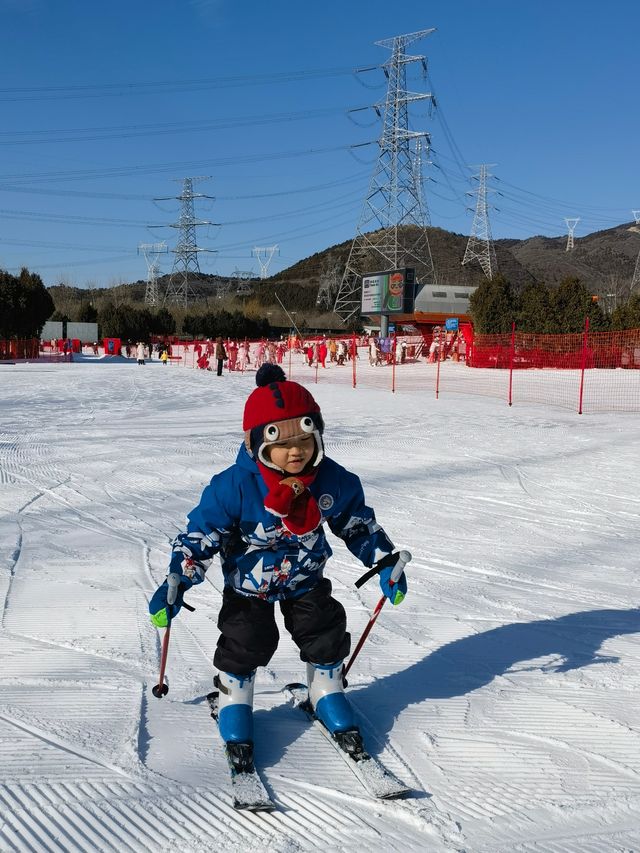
249	634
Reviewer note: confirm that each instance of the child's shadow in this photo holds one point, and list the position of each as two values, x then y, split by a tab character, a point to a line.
465	665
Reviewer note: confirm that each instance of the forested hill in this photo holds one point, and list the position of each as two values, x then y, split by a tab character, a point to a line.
603	261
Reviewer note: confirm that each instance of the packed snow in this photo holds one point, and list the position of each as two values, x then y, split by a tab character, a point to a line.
503	690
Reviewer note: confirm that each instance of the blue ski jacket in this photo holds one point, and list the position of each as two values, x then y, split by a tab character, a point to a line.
259	557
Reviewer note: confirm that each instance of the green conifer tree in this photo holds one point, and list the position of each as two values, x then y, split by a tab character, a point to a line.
536	310
493	306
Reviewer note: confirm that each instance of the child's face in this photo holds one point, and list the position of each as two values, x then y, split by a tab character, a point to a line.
292	455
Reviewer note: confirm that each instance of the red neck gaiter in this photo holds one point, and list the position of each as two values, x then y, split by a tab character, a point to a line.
290	498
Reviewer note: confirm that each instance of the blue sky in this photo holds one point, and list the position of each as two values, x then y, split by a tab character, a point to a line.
106	106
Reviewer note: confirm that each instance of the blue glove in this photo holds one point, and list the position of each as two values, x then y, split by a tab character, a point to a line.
396	592
158	607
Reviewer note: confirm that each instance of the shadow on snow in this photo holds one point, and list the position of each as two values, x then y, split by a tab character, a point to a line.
465	665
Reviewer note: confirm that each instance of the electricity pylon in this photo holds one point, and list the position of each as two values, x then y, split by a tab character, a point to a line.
571	225
635	281
151	252
394	199
243	280
329	283
185	263
480	243
264	254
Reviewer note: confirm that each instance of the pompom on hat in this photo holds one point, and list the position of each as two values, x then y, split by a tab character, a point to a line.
278	410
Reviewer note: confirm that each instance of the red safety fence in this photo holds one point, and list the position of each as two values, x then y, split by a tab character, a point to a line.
586	372
17	350
30	349
605	350
589	371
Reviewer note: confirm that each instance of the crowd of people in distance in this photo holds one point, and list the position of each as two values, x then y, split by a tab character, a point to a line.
446	344
238	355
337	351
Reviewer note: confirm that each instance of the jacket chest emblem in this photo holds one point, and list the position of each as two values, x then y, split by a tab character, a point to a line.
325	502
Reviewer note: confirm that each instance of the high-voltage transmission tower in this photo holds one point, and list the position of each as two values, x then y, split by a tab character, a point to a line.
185	264
242	280
394	199
480	243
329	283
151	252
635	281
264	254
571	225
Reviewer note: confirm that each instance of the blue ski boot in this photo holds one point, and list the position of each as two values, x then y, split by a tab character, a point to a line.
327	699
235	706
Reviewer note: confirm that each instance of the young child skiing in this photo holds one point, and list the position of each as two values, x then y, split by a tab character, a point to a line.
264	515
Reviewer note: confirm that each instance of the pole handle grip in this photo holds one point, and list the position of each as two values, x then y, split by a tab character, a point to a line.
173	582
404	557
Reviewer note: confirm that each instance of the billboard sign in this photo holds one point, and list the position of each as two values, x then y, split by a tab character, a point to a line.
388	292
451	324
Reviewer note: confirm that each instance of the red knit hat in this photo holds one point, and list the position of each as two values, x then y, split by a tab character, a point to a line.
279	410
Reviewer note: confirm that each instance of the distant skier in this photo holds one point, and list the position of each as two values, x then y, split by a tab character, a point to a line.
221	355
264	515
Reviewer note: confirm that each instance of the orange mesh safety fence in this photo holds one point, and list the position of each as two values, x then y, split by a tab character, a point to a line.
613	385
596	372
592	372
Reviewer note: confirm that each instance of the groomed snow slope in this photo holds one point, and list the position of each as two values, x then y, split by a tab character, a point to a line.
504	689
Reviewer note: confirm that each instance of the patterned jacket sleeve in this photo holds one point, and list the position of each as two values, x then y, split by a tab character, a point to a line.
193	550
356	524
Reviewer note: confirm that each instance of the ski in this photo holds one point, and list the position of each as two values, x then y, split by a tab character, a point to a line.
248	789
371	773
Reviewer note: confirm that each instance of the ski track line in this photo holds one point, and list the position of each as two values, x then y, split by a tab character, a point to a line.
595	510
13	562
119	664
386	746
326	814
625	833
508	472
111	509
597	715
536	520
535	780
527	585
102	529
56	742
610	764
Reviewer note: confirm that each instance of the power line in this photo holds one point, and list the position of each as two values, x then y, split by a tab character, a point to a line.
92	134
125	171
102	90
70	219
8	188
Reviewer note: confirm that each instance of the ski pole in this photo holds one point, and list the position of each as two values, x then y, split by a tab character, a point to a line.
403	558
173	581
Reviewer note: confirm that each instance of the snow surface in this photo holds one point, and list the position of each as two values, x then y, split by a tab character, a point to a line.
504	689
